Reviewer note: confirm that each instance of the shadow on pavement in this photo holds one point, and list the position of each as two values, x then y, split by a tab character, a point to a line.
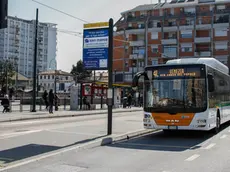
19	153
28	151
159	141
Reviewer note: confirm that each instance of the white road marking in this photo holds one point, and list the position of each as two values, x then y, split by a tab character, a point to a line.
192	158
66	132
223	137
210	146
10	135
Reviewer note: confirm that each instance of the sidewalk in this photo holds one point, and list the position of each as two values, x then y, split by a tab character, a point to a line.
19	116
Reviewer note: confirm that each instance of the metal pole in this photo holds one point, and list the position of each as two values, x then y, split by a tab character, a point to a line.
146	41
110	83
37	82
7	77
229	45
35	63
16	78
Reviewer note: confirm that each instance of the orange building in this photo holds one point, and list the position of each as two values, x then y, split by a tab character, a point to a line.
152	34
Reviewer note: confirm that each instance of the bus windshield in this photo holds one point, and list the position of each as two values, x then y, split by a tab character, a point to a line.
175	94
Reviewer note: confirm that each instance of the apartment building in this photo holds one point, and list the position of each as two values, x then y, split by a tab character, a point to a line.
17	44
152	34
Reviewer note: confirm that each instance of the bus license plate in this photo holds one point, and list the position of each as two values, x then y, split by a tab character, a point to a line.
172	127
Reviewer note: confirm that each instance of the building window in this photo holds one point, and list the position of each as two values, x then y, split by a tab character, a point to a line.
154	50
143	13
67	78
170	51
40	77
45	77
186	49
154	35
186	34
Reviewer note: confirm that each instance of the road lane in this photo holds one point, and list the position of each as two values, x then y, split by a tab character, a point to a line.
179	152
20	140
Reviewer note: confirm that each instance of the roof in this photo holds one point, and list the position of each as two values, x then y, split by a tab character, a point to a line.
55	72
20	77
212	62
186	3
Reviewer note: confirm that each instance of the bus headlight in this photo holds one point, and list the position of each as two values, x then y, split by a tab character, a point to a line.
147	116
201	121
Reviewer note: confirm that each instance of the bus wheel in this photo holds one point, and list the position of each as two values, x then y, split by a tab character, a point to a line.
217	129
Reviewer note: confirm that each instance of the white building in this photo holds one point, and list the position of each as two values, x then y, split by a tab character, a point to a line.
17	42
63	82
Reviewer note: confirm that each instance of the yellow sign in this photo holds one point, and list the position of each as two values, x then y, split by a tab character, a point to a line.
96	25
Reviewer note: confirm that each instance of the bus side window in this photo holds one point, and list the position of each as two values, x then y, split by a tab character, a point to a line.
211	85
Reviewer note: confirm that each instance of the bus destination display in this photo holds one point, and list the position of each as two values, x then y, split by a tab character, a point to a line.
178	72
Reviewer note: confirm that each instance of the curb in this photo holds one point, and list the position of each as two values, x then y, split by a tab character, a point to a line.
107	140
62	116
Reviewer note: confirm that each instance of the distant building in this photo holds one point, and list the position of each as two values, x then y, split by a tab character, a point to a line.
17	42
64	80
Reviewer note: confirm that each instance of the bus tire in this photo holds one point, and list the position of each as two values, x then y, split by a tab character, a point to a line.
217	128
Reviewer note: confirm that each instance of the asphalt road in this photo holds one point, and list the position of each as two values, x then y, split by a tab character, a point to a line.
25	139
179	152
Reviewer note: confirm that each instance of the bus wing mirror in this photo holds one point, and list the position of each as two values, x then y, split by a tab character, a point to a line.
211	85
136	79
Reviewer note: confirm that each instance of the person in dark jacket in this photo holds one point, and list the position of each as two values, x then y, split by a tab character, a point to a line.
51	101
5	103
85	102
129	100
45	98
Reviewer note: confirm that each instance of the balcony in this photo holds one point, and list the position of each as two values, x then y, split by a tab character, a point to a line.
137	43
202	39
169	41
136	56
203	53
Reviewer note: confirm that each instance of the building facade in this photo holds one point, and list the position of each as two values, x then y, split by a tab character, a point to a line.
152	34
63	80
18	41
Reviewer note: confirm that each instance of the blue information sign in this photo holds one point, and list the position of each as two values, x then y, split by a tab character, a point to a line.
95	48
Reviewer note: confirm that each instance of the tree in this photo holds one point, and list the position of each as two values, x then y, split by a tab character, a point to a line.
80	72
6	73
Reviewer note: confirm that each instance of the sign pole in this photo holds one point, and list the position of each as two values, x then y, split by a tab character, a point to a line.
110	81
98	55
35	63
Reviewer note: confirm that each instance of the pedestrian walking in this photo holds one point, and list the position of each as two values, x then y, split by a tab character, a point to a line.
5	103
129	100
51	101
45	98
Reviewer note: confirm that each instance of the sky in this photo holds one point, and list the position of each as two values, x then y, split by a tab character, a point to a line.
69	47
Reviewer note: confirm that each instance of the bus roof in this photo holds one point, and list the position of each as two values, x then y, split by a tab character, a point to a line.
211	62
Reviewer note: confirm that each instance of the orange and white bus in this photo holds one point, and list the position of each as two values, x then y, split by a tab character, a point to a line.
186	94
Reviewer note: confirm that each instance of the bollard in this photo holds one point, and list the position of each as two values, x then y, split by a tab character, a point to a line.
21	106
64	103
10	106
40	107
